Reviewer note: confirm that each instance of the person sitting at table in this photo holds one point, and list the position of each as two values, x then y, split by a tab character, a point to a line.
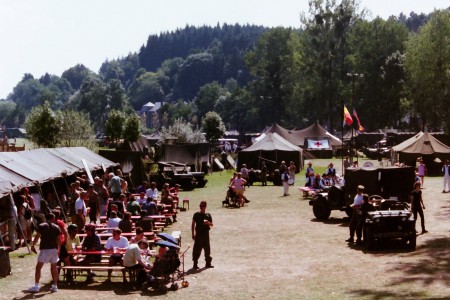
133	206
167	191
91	243
150	207
139	235
152	191
133	260
114	220
125	224
141	199
116	242
120	208
72	240
142	188
170	206
145	222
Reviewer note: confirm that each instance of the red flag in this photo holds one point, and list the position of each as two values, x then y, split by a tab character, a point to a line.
360	128
347	117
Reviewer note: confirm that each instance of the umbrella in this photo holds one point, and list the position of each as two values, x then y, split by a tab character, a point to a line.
168	238
166	244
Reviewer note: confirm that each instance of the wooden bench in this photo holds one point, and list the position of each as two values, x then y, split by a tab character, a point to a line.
87	268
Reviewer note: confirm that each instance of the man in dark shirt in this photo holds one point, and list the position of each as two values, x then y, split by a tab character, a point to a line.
49	233
201	224
91	242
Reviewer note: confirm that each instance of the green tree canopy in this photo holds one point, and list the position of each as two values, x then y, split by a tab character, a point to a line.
213	126
42	126
114	125
131	130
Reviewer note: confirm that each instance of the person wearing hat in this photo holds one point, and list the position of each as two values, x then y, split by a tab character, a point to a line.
357	202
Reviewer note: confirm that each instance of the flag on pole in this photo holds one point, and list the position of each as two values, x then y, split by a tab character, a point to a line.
360	128
347	117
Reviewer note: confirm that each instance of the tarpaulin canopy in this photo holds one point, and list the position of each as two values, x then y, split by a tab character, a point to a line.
272	147
425	146
26	168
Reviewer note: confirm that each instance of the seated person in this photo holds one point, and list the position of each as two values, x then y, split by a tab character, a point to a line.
141	199
113	221
152	191
133	206
142	188
125	224
116	241
150	207
317	183
310	178
139	235
170	206
119	207
92	243
145	222
134	260
72	240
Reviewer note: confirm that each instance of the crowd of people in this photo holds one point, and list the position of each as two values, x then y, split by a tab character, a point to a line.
59	219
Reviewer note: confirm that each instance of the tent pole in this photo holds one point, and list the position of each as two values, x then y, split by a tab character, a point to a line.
18	221
59	201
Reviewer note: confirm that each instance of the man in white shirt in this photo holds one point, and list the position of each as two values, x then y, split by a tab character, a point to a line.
81	211
114	220
152	191
112	244
357	202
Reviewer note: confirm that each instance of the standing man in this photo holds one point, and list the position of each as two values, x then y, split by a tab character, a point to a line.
49	249
357	202
201	224
285	181
81	211
263	174
446	171
417	205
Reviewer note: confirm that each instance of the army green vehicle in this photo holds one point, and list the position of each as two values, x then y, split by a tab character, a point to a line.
387	182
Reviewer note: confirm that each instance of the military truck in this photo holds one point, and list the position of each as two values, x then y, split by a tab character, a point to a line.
384	181
391	219
164	172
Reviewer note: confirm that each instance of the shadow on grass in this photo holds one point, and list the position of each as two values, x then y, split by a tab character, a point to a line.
340	221
431	266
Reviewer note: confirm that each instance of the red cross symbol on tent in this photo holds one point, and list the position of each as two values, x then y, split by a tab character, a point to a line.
318	144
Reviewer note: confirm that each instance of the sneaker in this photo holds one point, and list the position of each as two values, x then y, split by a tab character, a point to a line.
424	231
34	289
349	240
358	243
54	289
195	267
444	191
209	266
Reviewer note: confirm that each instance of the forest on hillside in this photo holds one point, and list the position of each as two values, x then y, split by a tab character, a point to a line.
394	73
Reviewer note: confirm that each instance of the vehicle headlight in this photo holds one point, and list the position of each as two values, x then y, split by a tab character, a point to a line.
377	220
404	219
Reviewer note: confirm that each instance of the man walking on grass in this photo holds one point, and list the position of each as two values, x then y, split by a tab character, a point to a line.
201	224
49	233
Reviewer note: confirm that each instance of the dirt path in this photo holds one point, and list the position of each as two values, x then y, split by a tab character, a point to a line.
275	249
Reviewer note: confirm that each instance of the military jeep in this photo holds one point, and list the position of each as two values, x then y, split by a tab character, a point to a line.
391	219
164	172
386	182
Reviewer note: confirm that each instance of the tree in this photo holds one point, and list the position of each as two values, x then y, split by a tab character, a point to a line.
42	126
213	126
206	98
182	132
428	65
144	89
131	128
114	125
75	128
77	74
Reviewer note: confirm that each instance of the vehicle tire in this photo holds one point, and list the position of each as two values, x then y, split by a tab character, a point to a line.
412	242
369	238
188	186
321	210
174	287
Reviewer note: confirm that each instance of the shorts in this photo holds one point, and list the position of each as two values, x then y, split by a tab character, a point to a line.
48	256
116	259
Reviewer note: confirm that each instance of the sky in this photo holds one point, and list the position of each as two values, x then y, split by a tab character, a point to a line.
50	36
